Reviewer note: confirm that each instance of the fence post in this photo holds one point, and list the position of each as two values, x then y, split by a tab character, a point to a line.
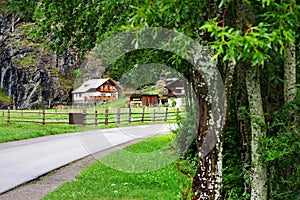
129	115
83	116
8	115
44	117
166	114
3	113
153	115
143	114
22	114
96	117
106	116
118	116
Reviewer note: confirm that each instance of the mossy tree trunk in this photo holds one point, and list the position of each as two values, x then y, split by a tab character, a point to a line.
290	73
258	170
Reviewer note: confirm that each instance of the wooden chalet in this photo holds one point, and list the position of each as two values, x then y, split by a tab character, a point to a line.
173	91
96	91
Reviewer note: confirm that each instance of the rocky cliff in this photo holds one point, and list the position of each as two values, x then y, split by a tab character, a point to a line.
30	74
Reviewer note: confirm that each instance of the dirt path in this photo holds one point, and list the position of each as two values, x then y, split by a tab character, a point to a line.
40	187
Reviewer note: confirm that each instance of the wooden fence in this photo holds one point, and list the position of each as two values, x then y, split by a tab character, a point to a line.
87	116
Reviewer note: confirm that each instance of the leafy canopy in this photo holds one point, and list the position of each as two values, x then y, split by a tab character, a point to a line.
265	26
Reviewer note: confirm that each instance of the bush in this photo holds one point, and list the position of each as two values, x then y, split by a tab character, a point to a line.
166	105
173	103
280	152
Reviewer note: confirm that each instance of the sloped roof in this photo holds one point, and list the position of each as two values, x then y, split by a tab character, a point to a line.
175	82
90	85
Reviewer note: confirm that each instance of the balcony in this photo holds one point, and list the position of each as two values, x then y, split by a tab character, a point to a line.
104	97
107	90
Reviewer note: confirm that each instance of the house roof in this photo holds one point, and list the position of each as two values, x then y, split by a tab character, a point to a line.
90	85
137	95
175	82
171	92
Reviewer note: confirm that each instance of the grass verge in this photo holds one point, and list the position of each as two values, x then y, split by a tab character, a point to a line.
20	131
103	183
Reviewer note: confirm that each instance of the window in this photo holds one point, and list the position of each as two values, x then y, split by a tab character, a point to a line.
178	90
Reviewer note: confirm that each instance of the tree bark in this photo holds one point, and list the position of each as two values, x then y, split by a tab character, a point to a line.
204	182
207	181
290	73
258	170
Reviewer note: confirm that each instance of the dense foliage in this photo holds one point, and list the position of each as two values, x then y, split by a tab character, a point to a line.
281	151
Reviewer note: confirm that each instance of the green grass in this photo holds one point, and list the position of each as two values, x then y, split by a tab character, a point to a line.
20	131
151	144
103	183
119	103
156	91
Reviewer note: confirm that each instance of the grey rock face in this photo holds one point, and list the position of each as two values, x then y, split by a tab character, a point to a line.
30	74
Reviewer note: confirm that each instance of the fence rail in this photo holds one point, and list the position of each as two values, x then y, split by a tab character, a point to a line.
91	117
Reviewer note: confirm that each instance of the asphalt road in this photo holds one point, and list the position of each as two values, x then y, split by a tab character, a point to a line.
26	160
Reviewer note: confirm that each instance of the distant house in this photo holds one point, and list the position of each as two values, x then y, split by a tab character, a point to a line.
96	91
173	91
144	99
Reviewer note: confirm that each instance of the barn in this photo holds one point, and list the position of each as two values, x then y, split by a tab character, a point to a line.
144	99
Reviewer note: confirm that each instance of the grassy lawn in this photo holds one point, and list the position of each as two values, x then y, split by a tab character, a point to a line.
156	91
21	131
103	183
57	121
119	103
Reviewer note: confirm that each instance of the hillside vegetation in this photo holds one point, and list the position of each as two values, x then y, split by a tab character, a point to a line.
4	100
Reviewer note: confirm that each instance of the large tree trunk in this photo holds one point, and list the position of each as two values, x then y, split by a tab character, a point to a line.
206	185
207	181
290	73
259	172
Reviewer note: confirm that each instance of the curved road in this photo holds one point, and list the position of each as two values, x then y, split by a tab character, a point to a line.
26	160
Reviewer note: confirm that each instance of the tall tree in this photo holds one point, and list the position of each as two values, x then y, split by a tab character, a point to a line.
259	171
261	32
